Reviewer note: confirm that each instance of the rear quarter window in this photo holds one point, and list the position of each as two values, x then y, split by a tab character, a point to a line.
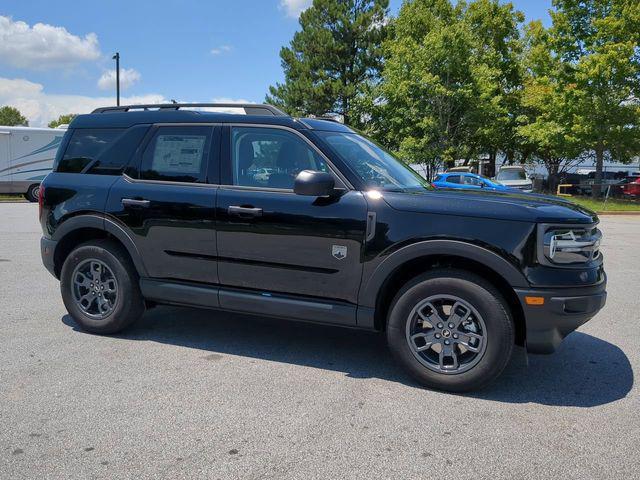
86	151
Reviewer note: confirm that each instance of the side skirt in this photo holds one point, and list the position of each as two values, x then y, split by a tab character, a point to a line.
252	302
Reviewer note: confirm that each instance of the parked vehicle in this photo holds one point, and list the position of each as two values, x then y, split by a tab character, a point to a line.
148	207
631	187
608	179
515	176
26	156
469	181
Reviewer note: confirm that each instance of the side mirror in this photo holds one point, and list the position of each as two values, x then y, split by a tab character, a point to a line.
314	184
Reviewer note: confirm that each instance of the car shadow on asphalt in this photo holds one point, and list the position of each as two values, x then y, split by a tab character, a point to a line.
584	372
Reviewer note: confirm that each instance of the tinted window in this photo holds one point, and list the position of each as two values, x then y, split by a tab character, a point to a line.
438	178
177	154
270	157
86	147
453	179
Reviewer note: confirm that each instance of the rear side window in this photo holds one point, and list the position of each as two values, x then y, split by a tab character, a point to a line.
86	147
177	154
453	179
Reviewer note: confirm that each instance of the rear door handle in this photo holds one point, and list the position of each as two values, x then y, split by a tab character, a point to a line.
244	211
133	202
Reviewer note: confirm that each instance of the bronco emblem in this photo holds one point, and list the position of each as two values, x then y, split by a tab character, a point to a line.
339	251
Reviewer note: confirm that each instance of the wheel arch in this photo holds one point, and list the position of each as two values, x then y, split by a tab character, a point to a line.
81	228
409	262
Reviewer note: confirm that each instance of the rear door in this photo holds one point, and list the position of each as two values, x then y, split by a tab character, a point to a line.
166	202
272	240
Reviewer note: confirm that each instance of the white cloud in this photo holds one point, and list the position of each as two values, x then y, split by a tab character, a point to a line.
295	7
41	107
43	46
128	76
229	100
221	49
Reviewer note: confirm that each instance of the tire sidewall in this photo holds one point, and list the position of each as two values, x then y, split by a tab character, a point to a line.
497	319
127	288
32	193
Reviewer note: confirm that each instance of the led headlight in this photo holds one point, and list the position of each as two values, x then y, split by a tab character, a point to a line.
571	245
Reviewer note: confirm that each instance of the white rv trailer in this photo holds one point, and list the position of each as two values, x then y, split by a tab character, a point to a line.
26	156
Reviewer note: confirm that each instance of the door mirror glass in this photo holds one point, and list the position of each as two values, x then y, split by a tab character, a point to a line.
314	184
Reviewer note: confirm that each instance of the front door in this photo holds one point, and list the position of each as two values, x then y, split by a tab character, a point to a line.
272	240
167	204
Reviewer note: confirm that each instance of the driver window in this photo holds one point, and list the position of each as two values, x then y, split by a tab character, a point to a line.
270	157
469	180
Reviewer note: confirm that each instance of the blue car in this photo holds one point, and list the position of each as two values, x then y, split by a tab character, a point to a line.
468	181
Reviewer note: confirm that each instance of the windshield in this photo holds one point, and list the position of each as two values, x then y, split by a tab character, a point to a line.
377	168
512	174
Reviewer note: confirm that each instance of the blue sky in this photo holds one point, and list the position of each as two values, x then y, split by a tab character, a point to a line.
187	50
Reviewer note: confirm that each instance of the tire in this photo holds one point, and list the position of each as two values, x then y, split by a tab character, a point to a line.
32	193
107	312
489	330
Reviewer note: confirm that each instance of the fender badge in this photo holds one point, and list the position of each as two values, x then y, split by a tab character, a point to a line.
339	251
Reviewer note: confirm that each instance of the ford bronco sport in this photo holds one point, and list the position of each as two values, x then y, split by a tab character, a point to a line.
306	219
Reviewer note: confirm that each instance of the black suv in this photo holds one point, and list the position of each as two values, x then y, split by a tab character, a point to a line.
306	219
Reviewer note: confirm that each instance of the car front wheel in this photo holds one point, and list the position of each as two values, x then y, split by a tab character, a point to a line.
451	330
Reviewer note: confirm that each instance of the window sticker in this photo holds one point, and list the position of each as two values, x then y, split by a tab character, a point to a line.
178	153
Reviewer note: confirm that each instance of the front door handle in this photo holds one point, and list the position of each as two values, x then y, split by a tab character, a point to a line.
244	211
133	202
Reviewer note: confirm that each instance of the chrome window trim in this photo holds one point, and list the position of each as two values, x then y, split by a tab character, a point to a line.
168	182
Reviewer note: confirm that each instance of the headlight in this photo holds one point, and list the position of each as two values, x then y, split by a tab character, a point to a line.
570	245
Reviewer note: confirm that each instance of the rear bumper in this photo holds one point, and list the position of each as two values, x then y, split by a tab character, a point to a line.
47	249
563	311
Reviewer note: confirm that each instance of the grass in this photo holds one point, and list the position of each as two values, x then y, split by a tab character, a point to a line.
8	197
612	205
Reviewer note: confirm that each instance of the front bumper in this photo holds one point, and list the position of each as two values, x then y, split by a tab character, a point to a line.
47	249
564	310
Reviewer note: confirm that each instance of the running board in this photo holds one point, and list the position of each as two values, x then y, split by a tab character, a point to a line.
245	301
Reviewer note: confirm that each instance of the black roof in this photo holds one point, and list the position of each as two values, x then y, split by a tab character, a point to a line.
127	116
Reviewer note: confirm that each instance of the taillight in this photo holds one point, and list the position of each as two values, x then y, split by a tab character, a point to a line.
40	200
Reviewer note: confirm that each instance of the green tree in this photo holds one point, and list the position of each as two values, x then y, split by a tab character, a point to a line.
496	54
62	120
426	103
11	117
548	107
330	61
598	44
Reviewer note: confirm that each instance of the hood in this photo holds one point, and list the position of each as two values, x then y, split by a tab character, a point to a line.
524	207
516	182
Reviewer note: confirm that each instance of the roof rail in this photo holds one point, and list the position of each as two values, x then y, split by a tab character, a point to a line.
327	118
249	108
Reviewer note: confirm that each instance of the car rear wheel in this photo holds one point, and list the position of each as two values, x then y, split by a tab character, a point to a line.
100	287
451	330
33	192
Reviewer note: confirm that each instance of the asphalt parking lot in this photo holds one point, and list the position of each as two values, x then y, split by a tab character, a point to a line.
201	394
